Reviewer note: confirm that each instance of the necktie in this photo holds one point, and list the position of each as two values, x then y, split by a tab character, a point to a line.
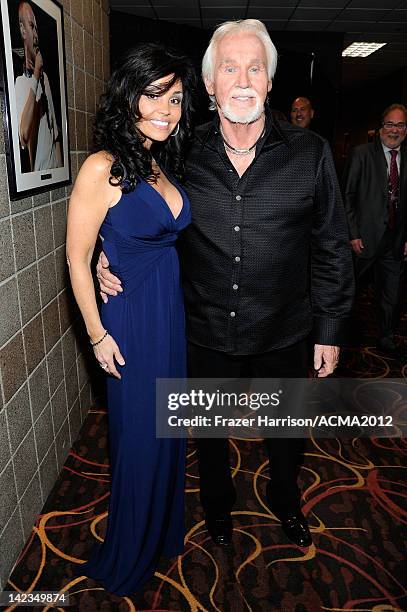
393	188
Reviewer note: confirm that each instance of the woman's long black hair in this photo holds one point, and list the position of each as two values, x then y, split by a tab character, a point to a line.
115	123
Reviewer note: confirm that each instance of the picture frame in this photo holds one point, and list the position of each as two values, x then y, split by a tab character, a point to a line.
34	96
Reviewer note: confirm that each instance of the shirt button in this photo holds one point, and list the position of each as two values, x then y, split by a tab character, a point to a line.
238	198
232	314
235	287
237	228
237	259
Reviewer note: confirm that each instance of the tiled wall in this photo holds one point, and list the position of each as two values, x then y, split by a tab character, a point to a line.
45	393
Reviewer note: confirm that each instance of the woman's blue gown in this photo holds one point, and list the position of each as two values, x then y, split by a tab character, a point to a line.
146	507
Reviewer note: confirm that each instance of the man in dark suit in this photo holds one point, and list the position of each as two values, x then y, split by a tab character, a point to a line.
375	193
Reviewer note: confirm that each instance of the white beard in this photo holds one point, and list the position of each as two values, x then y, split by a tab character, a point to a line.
248	117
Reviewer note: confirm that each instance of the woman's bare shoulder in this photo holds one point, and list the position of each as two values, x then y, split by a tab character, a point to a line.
97	165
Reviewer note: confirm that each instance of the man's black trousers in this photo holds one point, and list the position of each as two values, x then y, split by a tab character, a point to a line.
285	454
387	273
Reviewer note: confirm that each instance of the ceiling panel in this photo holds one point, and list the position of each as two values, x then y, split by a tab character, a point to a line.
400	16
226	4
370	20
394	39
315	14
308	26
358	16
196	23
269	12
327	3
143	11
368	27
173	12
271	3
351	26
389	26
130	3
363	14
373	4
169	3
212	12
210	24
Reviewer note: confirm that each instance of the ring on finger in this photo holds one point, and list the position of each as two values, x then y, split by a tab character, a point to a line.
104	366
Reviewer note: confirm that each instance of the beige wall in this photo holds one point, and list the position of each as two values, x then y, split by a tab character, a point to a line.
45	393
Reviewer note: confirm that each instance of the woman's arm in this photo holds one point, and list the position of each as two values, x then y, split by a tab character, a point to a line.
91	198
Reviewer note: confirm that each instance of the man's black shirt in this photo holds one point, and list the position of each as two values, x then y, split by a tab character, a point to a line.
266	259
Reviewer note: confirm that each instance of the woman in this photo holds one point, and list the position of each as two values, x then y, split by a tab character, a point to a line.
125	192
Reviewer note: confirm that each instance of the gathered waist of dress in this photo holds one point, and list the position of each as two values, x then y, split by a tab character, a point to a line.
134	266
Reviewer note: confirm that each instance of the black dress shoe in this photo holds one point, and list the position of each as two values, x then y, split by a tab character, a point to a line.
295	527
220	528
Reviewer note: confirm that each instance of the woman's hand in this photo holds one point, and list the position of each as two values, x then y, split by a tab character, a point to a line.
106	352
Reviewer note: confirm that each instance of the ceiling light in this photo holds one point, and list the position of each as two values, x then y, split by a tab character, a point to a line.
361	49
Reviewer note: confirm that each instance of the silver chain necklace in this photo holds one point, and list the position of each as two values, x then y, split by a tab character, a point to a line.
237	151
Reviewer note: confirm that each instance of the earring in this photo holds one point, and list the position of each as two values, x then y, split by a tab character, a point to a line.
176	131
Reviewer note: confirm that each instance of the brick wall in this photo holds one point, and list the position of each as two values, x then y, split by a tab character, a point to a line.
44	387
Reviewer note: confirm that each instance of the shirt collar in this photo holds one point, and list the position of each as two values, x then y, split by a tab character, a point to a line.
273	134
387	149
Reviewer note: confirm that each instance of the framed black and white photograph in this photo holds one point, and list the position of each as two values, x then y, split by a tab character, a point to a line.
34	96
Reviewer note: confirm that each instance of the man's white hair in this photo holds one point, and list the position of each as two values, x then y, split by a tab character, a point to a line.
253	26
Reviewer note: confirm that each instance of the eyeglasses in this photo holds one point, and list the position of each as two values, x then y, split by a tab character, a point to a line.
389	125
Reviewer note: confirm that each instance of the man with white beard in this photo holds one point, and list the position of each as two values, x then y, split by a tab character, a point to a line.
265	262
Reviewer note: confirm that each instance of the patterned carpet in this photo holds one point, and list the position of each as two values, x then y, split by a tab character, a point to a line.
354	497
